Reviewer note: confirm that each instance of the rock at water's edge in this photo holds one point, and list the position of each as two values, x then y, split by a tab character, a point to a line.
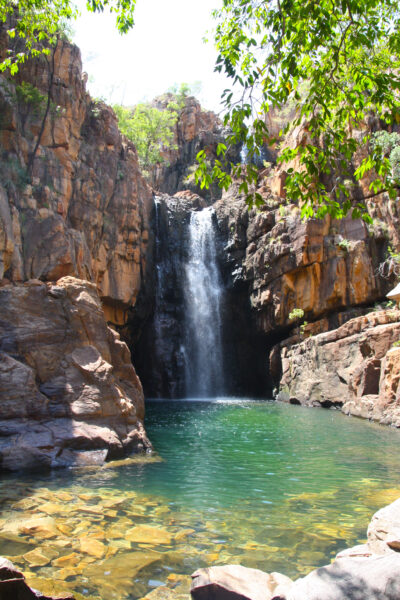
367	572
14	587
69	393
234	582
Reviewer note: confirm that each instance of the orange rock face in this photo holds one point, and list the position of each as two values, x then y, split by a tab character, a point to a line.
70	394
354	367
319	266
86	211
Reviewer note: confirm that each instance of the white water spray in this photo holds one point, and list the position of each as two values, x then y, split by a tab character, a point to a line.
203	298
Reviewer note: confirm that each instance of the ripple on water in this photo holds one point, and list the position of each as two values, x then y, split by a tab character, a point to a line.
269	486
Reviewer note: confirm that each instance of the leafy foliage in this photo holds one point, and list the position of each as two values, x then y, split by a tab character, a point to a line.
29	95
34	25
150	129
387	145
296	313
335	62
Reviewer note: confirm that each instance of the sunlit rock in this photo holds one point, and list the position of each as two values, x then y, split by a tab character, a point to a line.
146	534
93	547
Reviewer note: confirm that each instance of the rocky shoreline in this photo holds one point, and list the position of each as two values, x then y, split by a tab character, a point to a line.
369	571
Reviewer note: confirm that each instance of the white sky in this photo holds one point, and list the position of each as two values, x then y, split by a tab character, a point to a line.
164	47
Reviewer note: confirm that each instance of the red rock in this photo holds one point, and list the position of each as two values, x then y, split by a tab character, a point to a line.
72	396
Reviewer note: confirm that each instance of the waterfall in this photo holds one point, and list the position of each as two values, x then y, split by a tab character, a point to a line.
203	296
160	279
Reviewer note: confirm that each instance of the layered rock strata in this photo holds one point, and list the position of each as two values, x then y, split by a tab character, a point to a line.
72	203
321	266
70	395
355	367
78	205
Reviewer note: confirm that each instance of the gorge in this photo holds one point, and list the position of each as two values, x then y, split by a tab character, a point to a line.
93	261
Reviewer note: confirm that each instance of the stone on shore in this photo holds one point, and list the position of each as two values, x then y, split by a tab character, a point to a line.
234	582
356	578
384	529
14	587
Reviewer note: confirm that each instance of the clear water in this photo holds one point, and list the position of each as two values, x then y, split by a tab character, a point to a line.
271	486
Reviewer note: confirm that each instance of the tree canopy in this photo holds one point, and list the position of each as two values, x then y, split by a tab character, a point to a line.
336	62
150	129
39	22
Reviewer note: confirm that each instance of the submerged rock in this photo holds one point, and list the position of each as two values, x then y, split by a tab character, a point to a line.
370	571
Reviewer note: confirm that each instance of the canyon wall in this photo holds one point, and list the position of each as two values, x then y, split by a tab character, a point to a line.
330	269
196	129
75	251
74	206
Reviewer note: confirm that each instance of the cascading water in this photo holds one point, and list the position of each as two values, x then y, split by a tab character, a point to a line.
203	297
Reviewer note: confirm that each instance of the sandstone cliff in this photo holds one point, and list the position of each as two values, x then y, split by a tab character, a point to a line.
330	270
355	367
80	207
70	395
196	129
72	203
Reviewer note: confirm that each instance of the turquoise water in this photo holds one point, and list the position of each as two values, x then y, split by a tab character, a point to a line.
267	485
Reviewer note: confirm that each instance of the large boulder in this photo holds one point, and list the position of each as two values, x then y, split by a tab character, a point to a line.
234	582
372	578
354	367
69	393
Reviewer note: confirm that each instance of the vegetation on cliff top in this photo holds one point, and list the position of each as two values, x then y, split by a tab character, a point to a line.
348	54
150	128
335	63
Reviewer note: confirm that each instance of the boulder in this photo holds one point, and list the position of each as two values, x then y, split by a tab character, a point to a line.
384	529
354	367
69	393
14	587
372	578
234	582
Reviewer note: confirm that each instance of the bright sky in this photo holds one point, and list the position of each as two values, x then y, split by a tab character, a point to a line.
164	47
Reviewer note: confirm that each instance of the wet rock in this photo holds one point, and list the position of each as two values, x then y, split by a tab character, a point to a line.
234	582
146	534
93	547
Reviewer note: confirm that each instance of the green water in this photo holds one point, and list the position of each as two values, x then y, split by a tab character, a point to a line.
267	485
